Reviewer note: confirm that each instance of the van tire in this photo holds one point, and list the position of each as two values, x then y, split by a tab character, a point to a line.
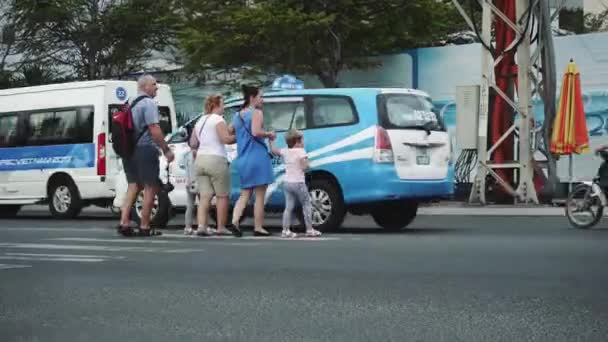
395	216
163	210
9	211
324	191
64	199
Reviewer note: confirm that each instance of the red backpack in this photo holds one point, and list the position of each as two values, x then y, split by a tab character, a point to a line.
123	130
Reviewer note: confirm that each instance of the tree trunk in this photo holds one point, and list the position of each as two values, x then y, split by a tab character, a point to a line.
329	78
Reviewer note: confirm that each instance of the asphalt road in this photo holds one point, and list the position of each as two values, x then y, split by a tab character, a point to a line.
449	278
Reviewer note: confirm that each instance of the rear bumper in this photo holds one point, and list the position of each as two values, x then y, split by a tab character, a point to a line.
386	186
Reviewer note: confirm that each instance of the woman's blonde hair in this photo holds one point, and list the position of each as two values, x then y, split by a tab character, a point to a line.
212	101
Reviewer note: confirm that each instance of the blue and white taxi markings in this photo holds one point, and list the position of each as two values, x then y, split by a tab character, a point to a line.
363	153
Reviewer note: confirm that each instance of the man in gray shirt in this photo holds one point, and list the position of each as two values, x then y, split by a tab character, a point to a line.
142	169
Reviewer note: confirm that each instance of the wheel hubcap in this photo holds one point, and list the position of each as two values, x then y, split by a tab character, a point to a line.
139	206
321	206
62	199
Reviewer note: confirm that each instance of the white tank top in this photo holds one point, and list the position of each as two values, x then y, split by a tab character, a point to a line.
209	142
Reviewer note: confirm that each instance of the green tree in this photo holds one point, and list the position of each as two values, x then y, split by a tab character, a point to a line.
318	37
92	39
7	49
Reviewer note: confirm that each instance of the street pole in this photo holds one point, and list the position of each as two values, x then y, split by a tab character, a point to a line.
478	192
525	189
523	163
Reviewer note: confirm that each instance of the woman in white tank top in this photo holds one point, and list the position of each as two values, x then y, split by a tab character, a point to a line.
209	136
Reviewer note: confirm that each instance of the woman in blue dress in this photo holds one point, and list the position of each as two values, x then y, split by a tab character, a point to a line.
253	162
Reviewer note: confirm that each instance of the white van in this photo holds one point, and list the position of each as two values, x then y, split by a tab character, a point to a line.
55	144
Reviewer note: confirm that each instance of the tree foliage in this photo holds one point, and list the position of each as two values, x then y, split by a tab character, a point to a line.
92	39
319	37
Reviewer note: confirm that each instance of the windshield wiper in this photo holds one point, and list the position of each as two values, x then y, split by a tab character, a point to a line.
427	127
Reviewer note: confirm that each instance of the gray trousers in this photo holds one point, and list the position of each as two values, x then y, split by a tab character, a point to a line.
190	208
297	193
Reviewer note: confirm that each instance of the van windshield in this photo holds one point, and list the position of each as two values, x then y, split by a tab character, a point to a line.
409	111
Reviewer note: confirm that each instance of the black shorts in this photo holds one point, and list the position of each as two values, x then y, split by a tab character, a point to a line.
143	167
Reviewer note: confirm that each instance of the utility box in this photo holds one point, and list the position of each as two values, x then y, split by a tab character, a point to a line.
467	116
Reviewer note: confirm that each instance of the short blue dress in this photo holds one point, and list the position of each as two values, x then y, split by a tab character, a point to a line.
253	162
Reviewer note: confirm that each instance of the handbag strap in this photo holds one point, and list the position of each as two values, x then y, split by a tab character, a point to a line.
200	131
249	132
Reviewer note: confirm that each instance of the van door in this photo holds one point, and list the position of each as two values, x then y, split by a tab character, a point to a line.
9	137
418	138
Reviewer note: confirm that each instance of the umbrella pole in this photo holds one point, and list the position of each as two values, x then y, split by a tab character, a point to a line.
570	171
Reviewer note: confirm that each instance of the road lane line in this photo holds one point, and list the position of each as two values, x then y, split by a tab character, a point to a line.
50	259
65	255
119	240
272	238
85	247
11	266
97	229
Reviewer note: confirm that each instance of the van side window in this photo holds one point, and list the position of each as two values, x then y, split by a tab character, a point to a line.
8	130
165	119
280	116
332	111
61	126
51	127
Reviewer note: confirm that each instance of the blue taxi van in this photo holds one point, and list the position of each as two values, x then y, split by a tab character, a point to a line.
372	151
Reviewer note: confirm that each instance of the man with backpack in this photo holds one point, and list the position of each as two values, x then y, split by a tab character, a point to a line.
142	137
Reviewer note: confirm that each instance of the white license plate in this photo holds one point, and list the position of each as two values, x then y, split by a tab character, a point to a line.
422	156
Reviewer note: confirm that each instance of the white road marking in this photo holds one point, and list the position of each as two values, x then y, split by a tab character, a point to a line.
228	237
9	266
80	230
86	248
119	240
65	255
50	259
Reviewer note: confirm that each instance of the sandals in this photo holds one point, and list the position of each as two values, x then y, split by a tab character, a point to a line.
125	230
148	232
235	229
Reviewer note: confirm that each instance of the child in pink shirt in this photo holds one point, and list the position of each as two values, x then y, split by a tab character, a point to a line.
294	186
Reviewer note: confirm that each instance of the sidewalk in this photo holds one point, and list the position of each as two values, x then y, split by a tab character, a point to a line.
463	209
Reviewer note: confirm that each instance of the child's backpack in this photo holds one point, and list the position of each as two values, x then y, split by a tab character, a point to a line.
123	130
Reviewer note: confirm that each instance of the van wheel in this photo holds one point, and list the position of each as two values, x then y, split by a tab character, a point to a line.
64	199
328	210
9	211
161	210
395	216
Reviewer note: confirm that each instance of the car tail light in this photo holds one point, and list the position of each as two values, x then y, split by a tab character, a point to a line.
101	154
383	151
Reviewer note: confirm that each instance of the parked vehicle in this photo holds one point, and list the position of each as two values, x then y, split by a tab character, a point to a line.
55	144
586	202
372	151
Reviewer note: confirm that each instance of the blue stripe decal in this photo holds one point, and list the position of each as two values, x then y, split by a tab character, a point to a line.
47	157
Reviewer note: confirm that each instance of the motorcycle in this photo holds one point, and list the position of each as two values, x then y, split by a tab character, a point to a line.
586	202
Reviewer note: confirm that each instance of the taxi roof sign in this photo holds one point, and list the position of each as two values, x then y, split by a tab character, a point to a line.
287	82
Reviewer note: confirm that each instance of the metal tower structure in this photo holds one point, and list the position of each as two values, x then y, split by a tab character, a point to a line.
517	94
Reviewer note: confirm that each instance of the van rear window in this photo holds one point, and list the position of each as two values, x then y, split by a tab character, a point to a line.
408	111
